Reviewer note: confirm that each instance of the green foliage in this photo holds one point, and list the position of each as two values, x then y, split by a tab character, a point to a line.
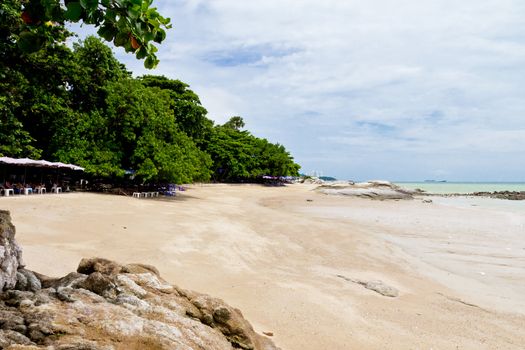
239	155
189	114
131	24
235	123
95	67
82	106
136	132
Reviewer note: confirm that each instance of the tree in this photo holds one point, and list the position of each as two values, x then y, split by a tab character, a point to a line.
235	123
238	155
136	132
188	111
131	24
95	67
82	106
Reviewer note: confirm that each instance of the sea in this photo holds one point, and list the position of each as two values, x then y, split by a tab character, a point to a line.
463	187
516	208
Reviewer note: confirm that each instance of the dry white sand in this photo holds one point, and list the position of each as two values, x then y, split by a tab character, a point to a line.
275	253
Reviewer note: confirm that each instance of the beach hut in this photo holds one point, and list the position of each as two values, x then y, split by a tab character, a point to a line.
12	168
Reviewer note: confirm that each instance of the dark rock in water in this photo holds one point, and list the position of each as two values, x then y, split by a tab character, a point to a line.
510	195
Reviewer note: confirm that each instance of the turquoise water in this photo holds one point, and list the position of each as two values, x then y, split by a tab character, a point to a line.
463	187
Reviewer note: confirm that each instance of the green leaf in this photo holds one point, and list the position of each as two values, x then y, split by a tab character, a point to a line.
122	24
136	2
73	12
150	62
29	42
161	35
111	15
89	4
134	12
148	36
121	39
142	53
107	32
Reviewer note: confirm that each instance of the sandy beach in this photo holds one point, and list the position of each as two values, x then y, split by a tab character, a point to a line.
287	256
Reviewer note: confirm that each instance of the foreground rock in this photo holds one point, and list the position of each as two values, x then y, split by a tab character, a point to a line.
380	190
108	306
10	252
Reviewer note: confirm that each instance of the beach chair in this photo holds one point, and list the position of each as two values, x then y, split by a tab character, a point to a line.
40	190
171	190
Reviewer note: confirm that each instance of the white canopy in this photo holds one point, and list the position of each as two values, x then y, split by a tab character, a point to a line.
38	163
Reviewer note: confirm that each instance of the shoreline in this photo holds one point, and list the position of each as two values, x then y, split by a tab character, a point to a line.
276	253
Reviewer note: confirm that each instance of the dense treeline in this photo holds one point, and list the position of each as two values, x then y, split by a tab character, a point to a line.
80	105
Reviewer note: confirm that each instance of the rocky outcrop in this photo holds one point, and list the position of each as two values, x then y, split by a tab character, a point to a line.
10	253
108	306
380	190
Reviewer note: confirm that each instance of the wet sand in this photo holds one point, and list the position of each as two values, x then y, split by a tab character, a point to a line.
278	254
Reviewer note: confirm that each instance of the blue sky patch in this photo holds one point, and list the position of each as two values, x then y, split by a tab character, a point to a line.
248	55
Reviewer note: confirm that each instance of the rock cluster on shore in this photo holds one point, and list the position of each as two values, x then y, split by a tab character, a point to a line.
380	190
105	305
511	195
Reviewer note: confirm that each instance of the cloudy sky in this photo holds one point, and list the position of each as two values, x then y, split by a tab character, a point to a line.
399	90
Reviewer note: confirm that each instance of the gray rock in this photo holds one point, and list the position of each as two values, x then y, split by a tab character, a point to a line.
9	337
15	297
381	288
10	319
32	282
63	294
99	284
72	279
379	190
140	268
82	345
376	286
10	252
131	309
221	314
21	281
104	266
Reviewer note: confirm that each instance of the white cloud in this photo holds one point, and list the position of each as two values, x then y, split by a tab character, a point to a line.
443	77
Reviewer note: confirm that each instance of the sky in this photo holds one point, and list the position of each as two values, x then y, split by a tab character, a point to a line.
402	90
